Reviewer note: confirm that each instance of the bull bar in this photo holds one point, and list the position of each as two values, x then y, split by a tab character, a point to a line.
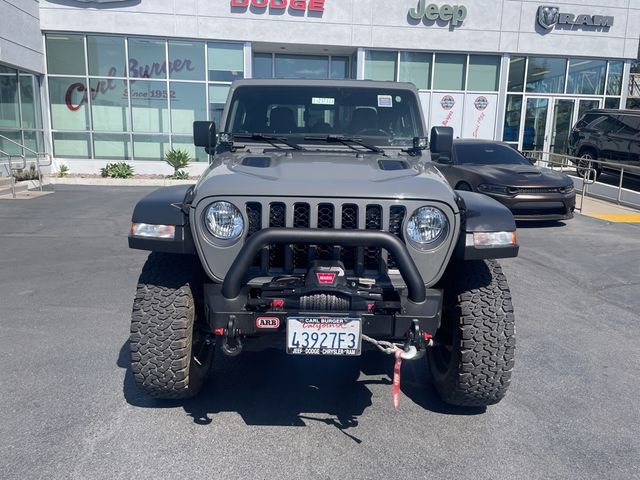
233	282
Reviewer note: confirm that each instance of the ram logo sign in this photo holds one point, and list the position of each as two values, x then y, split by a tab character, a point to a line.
549	17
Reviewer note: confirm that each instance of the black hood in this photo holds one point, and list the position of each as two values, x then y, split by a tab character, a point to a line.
518	175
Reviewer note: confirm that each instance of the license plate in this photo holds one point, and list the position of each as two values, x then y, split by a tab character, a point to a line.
324	336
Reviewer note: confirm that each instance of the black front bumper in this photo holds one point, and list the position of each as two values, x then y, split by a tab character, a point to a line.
241	310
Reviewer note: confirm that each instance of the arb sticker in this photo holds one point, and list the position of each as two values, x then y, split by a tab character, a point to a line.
385	101
268	323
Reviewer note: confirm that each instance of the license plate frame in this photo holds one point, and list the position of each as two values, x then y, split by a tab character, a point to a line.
330	325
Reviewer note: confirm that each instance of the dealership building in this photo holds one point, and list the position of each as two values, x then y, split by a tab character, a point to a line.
98	81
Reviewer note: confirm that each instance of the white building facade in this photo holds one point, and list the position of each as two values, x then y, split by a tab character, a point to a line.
100	81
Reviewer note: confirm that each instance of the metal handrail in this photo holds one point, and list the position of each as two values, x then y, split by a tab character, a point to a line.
10	161
584	167
37	156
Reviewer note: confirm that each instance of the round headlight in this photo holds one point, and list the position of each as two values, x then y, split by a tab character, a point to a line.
224	221
426	226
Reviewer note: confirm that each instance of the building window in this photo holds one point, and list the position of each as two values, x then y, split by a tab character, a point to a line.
68	97
71	145
112	146
65	55
450	71
302	66
262	65
484	73
217	100
517	67
20	113
106	56
114	108
147	58
512	119
9	98
31	111
226	62
380	65
109	105
339	68
612	103
149	106
415	67
586	77
150	147
546	75
188	104
614	84
186	60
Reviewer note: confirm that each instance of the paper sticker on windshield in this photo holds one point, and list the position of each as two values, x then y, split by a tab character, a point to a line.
385	101
323	101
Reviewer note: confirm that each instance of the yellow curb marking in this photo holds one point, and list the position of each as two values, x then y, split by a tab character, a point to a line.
618	217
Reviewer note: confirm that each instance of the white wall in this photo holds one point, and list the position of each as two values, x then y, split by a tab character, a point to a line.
20	38
507	26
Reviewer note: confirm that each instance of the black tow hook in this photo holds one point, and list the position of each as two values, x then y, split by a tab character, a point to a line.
418	340
231	342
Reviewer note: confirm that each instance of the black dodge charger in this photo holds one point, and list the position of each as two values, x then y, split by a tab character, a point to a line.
499	171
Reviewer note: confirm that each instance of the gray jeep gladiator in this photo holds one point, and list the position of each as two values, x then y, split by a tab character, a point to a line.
320	227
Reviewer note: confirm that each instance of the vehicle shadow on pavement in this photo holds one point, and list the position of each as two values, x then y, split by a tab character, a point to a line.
272	388
540	224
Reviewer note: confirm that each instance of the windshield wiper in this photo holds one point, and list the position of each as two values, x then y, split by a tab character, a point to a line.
348	142
269	139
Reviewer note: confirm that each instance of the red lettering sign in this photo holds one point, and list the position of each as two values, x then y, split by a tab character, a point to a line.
316	5
299	5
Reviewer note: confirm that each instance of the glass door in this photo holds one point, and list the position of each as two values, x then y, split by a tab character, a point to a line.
534	127
562	122
584	106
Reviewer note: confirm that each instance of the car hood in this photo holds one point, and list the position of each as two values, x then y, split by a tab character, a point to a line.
320	174
518	175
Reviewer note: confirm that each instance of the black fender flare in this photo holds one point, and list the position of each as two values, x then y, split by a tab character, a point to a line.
165	206
480	213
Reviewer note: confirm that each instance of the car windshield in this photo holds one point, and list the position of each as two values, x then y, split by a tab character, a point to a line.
377	116
488	154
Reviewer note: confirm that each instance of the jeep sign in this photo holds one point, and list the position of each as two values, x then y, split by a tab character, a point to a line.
548	17
454	14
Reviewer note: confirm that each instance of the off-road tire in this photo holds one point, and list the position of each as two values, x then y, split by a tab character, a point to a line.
472	361
165	328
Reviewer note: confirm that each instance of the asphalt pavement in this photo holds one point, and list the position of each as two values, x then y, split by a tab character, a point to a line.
69	408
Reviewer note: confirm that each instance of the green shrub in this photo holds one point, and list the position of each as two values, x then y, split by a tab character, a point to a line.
63	171
117	170
178	159
180	175
26	174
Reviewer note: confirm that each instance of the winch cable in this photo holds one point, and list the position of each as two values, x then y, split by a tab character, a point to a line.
401	353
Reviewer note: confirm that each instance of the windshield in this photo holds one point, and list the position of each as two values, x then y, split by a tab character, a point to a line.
488	154
378	116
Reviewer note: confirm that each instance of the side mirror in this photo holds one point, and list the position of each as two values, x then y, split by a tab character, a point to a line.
204	135
442	144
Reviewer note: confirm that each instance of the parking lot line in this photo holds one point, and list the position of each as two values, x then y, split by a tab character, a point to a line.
618	217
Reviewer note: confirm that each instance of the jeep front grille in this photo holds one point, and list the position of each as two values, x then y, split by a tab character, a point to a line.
289	259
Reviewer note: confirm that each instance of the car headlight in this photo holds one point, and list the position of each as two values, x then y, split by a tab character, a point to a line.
498	189
224	221
567	189
426	226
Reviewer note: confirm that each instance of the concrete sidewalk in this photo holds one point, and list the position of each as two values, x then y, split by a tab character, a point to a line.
608	211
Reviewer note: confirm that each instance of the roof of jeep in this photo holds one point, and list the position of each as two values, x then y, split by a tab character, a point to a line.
297	82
